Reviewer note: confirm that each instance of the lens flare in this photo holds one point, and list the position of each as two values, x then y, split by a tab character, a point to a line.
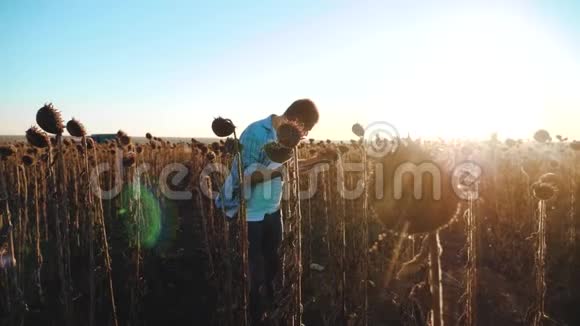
142	215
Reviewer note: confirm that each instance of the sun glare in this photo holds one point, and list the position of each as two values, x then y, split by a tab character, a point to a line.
473	75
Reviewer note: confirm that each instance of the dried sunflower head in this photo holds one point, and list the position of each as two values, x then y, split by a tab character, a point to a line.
542	136
28	160
203	148
129	159
290	134
90	143
358	130
223	127
75	128
210	156
543	190
50	119
230	145
37	137
123	138
7	151
278	153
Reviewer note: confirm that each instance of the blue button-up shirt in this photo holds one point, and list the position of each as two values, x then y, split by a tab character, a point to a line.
265	197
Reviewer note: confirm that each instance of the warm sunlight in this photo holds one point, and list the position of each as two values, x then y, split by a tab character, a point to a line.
472	75
248	163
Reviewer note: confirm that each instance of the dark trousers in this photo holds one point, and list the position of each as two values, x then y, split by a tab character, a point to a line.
265	262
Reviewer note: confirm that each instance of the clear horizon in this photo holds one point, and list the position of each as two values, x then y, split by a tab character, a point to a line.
444	69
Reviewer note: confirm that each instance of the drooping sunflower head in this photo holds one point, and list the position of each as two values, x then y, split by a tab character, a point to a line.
37	137
75	128
290	134
223	127
50	119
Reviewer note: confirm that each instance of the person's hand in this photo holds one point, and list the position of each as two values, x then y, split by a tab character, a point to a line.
328	155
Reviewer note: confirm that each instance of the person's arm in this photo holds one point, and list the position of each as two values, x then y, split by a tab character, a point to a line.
252	147
263	174
328	157
312	161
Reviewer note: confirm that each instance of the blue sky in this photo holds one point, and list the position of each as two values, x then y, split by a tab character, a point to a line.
430	68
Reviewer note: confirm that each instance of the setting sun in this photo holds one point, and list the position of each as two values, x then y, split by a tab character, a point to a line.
472	74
